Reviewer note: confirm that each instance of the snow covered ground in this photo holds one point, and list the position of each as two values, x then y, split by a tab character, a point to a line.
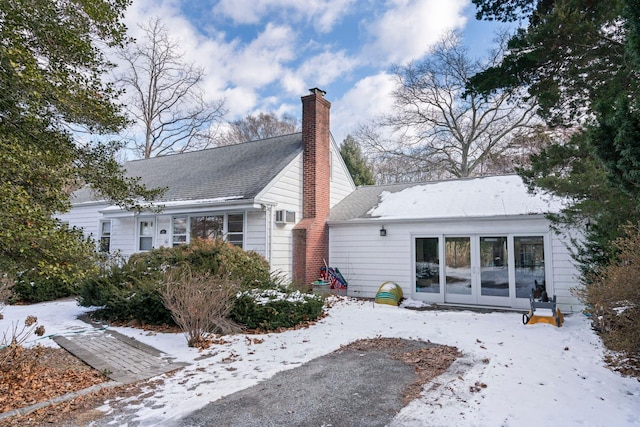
510	374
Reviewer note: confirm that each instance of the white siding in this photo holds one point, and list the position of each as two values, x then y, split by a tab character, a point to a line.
84	217
341	183
367	260
255	235
565	274
123	235
285	193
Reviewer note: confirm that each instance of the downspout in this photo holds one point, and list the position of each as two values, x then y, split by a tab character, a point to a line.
268	218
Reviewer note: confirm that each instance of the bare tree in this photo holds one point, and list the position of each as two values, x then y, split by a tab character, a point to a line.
260	126
165	96
439	130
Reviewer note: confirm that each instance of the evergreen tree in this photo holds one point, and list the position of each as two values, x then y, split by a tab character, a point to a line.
356	163
55	114
579	59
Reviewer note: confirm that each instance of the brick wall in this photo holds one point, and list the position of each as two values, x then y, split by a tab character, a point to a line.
310	235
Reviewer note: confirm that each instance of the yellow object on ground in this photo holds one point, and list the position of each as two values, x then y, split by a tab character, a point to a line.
555	319
389	293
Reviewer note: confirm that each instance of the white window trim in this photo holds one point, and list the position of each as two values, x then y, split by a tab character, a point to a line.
225	224
101	235
153	233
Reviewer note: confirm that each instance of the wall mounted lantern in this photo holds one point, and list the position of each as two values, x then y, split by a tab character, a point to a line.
383	232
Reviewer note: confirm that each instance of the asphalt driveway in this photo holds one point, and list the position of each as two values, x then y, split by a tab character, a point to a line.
349	387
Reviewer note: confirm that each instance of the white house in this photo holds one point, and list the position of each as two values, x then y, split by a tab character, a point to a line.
252	194
476	242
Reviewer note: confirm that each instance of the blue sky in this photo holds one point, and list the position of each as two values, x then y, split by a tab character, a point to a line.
263	55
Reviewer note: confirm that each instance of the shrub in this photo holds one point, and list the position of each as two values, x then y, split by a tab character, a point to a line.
14	365
133	290
612	295
200	302
281	307
67	258
247	267
16	336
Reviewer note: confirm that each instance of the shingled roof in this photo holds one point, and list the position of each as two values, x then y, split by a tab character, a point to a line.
235	171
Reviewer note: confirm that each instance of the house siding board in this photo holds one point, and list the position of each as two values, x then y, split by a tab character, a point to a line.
84	217
367	260
341	182
565	274
284	193
281	258
254	238
123	236
286	190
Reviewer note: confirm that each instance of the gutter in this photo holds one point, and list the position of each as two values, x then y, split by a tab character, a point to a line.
395	220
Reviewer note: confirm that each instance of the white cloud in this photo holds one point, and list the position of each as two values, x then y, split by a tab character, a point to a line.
322	14
325	68
408	28
240	100
369	98
261	62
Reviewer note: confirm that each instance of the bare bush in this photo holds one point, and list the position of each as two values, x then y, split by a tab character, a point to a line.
613	297
200	302
14	337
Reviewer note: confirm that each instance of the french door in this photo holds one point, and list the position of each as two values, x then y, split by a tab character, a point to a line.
495	270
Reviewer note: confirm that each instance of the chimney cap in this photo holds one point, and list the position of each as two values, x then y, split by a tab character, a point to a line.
317	91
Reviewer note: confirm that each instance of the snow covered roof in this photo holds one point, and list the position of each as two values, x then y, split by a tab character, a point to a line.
492	196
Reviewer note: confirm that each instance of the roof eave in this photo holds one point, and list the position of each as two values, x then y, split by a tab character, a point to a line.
390	220
196	206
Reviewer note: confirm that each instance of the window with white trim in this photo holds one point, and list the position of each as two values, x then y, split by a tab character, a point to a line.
207	227
180	227
105	236
235	229
228	226
145	234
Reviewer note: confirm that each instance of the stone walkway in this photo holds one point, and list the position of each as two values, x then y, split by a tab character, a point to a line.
121	358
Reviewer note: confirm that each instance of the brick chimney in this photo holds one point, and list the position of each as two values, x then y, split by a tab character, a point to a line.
310	235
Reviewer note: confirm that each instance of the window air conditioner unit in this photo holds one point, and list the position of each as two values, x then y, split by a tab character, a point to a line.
285	217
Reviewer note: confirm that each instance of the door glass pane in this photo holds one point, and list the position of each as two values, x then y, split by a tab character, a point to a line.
529	254
494	271
427	265
457	251
146	243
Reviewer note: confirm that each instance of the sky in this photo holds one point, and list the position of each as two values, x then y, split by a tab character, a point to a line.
263	55
535	375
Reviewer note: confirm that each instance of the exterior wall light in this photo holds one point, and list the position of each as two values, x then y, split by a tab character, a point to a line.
383	232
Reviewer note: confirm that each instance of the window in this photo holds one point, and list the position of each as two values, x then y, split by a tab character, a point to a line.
105	236
179	230
228	226
207	227
145	228
235	227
